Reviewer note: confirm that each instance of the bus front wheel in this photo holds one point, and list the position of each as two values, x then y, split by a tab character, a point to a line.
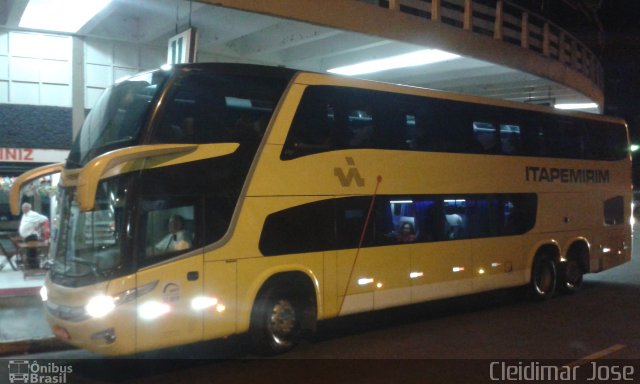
543	278
276	321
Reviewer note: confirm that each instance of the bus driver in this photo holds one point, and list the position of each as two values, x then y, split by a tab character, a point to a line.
178	238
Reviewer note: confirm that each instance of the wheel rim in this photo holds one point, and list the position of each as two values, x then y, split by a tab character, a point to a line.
544	278
282	322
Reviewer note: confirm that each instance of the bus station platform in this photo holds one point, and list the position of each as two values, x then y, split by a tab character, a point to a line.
23	328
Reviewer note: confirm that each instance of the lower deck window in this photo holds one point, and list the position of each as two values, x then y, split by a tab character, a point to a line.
614	211
341	223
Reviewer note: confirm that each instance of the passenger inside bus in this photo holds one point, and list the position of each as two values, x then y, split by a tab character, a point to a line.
454	224
407	233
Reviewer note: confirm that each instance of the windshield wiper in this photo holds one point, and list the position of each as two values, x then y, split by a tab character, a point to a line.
93	266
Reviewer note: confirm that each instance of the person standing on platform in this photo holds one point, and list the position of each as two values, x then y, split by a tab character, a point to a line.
31	230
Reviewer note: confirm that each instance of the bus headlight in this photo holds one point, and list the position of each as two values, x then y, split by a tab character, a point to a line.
100	306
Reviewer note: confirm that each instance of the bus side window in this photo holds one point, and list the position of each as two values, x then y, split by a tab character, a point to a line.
456	217
476	212
567	140
168	228
217	216
519	214
429	220
485	134
424	134
411	141
533	139
614	211
351	214
510	139
304	228
391	122
360	126
402	222
453	129
312	125
606	142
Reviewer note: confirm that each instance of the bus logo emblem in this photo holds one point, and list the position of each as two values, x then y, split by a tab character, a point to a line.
352	174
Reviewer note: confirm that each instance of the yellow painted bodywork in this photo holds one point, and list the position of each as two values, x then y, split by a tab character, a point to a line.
182	324
135	158
122	320
234	270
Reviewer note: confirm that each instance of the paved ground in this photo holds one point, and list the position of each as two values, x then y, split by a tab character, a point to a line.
23	328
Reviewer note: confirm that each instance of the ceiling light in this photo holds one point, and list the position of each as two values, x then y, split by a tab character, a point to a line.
576	106
60	15
412	59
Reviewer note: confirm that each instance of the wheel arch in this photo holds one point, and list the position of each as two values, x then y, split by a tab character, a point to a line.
294	276
579	248
551	247
543	271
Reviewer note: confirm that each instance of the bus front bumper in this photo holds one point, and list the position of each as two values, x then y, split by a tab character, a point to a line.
111	335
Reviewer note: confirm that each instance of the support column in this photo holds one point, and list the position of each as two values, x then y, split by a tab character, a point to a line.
497	27
524	32
467	24
435	10
77	85
546	40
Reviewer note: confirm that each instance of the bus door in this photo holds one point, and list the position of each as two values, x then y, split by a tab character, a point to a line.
375	275
170	273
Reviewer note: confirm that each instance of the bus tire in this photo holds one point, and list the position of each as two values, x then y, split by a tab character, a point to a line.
276	321
543	278
571	276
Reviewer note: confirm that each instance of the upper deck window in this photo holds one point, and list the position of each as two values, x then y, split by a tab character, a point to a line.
117	119
335	118
201	106
206	107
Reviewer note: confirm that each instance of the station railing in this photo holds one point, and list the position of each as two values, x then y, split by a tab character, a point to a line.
509	23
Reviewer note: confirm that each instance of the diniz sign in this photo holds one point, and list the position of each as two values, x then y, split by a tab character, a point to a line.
31	155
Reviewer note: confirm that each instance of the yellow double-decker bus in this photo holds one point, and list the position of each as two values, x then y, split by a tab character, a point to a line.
207	200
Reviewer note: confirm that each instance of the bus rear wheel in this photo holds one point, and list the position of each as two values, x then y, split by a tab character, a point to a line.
276	321
543	278
571	276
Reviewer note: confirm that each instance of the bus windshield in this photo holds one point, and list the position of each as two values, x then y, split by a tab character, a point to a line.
88	247
124	228
117	118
